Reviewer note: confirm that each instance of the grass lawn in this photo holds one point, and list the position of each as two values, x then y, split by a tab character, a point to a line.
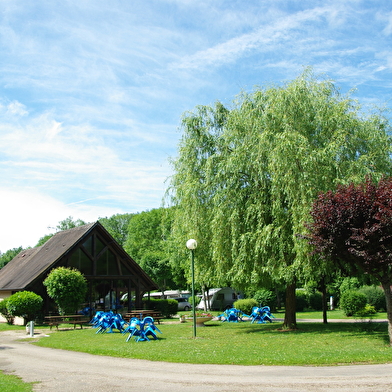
240	343
10	383
231	343
331	315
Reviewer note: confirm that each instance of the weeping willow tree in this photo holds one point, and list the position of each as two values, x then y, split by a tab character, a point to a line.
246	176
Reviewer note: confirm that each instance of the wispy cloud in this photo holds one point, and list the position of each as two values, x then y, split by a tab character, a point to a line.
45	153
92	92
263	38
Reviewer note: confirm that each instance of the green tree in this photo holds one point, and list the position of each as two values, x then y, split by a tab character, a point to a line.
146	244
43	240
69	223
24	304
67	287
245	178
117	226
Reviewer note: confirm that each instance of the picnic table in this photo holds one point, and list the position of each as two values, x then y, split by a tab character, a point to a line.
75	319
142	313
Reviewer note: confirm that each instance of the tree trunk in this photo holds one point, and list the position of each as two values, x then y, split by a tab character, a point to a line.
278	300
290	320
388	298
324	299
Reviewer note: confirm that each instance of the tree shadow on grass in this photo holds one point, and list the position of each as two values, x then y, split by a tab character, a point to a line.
357	329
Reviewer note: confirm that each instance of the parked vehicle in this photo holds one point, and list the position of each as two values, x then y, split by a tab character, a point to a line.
169	294
183	303
218	299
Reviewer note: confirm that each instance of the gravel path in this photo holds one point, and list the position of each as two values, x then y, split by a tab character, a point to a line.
59	370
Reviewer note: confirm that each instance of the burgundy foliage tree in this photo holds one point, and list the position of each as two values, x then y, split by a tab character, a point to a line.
352	229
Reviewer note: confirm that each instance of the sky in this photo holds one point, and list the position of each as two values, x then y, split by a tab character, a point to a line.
92	92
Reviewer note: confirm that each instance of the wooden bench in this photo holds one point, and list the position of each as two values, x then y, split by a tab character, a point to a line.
155	314
75	319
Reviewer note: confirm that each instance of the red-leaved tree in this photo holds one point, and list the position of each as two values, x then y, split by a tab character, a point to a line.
352	229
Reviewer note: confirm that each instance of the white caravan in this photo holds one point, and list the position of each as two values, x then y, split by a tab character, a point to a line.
218	299
169	294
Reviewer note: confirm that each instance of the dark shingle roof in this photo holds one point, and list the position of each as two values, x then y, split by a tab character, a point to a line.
31	263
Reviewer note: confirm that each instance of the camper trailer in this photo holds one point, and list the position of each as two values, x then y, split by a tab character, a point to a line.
218	299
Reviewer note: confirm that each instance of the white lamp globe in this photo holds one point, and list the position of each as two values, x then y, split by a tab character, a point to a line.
191	244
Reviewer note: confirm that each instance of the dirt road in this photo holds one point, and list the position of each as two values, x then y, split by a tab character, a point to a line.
66	371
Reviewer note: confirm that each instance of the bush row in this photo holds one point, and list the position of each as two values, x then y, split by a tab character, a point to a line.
167	307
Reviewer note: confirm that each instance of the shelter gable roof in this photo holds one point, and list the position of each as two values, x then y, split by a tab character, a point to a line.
31	263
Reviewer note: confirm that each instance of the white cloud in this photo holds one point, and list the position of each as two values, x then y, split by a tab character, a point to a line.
262	38
92	92
28	215
17	109
115	170
388	28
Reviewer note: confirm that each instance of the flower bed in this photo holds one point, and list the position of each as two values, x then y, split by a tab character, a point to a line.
201	318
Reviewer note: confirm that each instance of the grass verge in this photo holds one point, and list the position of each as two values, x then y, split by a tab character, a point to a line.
10	383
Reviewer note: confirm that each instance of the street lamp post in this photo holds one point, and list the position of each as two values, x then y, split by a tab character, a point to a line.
192	245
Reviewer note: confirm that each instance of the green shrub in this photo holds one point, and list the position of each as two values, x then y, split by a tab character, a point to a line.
24	304
245	305
375	296
301	301
352	302
315	300
367	311
67	287
265	297
167	307
4	311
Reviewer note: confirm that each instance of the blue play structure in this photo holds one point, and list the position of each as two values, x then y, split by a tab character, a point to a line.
106	321
232	315
141	329
261	315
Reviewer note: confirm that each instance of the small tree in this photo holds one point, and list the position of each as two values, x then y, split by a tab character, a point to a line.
67	287
24	304
352	229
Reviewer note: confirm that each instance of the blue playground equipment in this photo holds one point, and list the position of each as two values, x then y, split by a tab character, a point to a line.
141	330
261	315
106	321
232	315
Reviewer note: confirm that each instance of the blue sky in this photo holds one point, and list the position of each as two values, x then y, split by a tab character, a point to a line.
92	92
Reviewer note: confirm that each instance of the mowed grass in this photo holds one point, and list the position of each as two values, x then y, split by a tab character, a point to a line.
11	383
332	315
240	343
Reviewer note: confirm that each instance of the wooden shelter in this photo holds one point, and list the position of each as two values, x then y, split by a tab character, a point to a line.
111	273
